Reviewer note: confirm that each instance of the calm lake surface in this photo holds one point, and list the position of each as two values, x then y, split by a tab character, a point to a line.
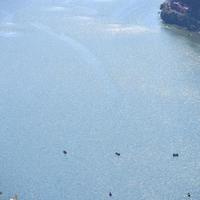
95	77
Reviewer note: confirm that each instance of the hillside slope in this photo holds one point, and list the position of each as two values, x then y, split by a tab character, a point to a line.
185	13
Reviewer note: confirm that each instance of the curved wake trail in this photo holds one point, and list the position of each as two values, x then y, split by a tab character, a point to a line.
84	52
77	46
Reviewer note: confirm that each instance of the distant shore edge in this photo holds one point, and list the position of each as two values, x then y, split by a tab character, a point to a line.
183	13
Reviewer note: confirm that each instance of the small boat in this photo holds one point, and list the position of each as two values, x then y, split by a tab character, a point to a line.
175	154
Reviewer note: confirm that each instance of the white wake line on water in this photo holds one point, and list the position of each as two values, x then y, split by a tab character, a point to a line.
77	46
9	29
128	29
115	28
8	34
55	8
82	50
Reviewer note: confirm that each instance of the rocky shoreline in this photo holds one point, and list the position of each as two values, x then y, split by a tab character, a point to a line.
184	13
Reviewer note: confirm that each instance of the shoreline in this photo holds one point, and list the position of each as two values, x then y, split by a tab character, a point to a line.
177	13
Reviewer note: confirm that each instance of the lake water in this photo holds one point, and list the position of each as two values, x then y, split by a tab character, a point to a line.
95	77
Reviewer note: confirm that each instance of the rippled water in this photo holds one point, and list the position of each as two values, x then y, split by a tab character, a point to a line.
94	77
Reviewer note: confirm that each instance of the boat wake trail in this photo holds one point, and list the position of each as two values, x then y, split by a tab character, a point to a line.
86	55
83	52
